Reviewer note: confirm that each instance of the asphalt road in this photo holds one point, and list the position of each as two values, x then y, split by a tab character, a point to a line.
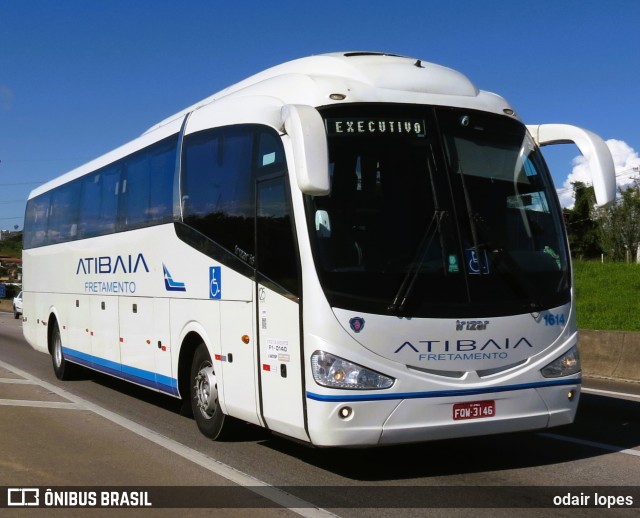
96	433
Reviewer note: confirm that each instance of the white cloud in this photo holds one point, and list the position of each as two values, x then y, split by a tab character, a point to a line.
626	163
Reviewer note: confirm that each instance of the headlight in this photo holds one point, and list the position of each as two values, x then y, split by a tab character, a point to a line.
332	371
567	364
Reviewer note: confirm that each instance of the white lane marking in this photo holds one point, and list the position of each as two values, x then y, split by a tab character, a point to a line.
30	402
39	404
622	395
16	381
291	502
592	444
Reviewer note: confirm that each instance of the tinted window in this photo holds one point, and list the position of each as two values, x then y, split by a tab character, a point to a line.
99	202
35	226
277	254
148	186
436	212
63	214
217	186
132	192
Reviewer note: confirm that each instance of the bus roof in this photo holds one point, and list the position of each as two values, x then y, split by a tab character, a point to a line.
343	77
359	77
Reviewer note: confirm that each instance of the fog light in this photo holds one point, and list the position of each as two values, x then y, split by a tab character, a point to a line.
571	395
345	412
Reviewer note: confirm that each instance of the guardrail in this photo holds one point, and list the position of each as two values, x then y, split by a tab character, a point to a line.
610	354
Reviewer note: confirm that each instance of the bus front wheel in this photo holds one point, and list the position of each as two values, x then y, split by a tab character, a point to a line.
205	402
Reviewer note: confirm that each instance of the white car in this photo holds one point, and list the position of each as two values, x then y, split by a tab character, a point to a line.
17	305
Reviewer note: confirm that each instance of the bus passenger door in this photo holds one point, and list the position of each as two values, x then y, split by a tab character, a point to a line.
278	310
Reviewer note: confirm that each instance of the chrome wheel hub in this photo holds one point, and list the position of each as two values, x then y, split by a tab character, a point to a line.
206	391
57	351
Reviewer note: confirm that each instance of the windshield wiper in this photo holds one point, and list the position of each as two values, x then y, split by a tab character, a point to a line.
439	215
503	261
408	283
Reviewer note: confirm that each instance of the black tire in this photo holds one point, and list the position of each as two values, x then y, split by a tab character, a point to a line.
205	403
16	315
63	369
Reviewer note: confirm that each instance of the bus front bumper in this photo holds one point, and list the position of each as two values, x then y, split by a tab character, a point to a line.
359	422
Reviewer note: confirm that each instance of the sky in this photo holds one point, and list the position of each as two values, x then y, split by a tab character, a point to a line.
79	78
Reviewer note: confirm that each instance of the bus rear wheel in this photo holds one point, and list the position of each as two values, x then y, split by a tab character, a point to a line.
61	367
205	402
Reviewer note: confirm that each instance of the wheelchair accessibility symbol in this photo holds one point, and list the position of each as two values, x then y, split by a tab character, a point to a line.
477	266
215	282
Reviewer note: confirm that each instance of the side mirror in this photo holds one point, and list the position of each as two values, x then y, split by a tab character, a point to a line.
305	127
591	146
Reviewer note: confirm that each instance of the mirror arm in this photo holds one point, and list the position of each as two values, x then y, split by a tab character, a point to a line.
594	149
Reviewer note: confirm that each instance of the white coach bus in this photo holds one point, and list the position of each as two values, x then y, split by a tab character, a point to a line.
348	249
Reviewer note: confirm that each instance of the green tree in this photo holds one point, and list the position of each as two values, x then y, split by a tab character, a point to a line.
12	246
582	227
620	225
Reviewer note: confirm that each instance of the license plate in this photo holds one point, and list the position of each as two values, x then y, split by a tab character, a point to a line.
474	410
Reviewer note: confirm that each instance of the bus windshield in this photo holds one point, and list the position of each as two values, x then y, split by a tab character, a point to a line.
436	212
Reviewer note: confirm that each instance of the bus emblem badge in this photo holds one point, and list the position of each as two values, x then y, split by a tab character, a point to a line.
357	324
170	284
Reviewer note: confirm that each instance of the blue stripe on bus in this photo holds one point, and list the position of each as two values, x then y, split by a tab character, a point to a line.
439	393
141	377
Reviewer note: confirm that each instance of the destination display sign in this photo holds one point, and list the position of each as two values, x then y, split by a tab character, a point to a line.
359	126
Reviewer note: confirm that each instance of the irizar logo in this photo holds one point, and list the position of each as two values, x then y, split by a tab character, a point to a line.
106	264
471	325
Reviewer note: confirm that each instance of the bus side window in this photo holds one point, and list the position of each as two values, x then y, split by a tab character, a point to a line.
35	227
147	187
270	156
63	213
217	188
99	202
135	190
277	254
